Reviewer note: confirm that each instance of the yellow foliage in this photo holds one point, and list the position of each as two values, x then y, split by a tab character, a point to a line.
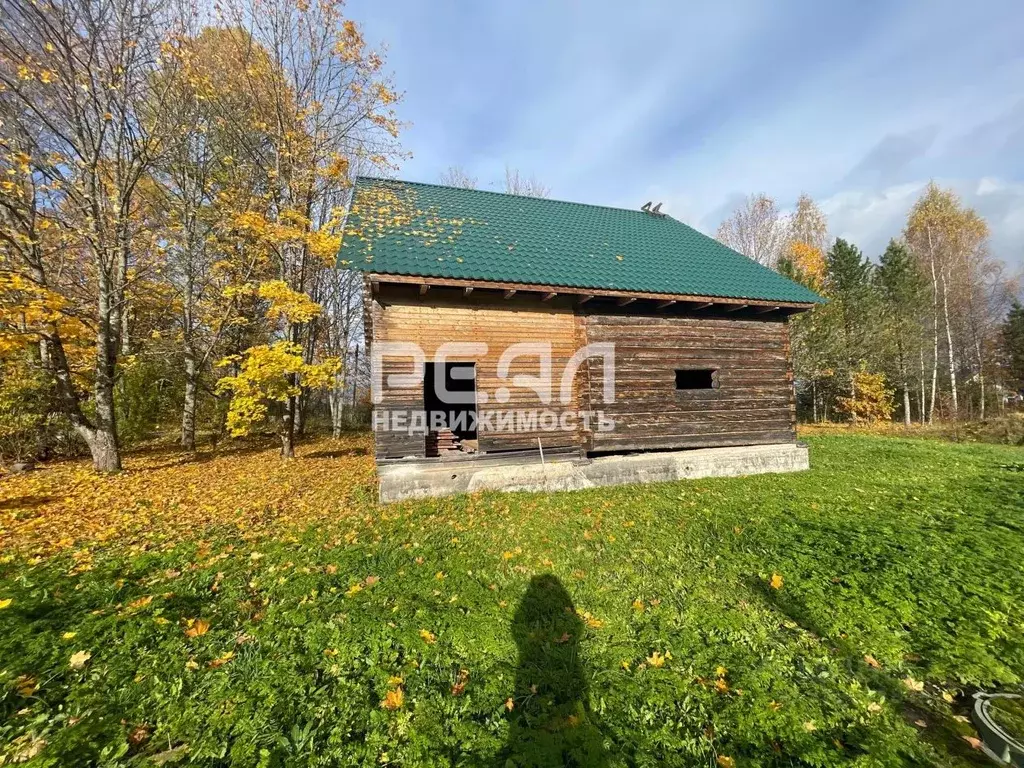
809	263
871	400
270	373
285	303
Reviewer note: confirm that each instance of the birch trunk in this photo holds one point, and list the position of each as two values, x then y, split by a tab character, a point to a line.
922	403
188	410
949	344
935	327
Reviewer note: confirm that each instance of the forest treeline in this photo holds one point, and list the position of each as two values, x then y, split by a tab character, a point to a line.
171	191
173	182
931	329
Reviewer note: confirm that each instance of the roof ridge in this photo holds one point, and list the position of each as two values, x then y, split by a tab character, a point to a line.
524	197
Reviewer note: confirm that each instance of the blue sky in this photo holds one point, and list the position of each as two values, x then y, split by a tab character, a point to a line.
858	104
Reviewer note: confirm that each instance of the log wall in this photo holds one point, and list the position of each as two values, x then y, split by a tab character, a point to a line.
753	402
499	326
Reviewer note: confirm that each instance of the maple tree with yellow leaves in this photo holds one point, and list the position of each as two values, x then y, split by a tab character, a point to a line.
153	205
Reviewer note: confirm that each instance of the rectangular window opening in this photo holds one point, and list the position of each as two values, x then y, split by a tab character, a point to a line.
696	378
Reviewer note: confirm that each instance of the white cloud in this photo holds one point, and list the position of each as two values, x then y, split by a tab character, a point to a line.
869	218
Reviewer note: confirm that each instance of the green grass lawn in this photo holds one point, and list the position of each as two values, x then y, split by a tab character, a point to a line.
838	616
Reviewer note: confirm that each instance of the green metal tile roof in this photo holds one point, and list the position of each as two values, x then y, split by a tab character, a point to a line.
425	230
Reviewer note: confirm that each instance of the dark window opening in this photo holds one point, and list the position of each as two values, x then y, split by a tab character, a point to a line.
453	405
705	378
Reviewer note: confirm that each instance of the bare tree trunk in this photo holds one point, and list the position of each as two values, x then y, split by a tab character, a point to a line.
935	327
103	443
188	411
814	401
336	401
290	407
922	403
981	380
288	430
949	345
102	440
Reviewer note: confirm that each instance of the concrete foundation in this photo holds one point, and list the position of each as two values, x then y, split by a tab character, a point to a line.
419	479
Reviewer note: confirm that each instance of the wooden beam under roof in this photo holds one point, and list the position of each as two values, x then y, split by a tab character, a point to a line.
763	310
704	305
735	307
510	293
663	304
467	290
424	288
700	300
548	296
625	300
585	298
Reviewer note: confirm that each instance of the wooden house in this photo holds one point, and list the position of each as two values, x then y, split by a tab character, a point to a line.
701	352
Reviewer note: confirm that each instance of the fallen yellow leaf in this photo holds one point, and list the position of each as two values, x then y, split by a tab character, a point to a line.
197	628
79	659
393	699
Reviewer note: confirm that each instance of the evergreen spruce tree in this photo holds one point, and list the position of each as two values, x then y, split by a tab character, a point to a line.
902	291
849	283
1013	343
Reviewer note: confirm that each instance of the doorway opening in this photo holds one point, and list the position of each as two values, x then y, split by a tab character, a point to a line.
449	398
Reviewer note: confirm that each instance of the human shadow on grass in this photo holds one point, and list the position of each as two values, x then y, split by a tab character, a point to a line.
551	722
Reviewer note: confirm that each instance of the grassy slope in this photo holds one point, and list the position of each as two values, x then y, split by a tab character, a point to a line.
899	562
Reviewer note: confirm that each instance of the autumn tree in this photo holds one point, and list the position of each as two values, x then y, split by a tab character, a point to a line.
942	234
319	104
811	333
756	230
209	181
271	377
517	183
80	127
808	224
514	183
869	398
456	176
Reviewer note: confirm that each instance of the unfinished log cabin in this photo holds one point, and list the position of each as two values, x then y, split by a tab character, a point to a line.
651	336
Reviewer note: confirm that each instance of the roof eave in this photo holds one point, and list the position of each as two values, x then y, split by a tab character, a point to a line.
792	307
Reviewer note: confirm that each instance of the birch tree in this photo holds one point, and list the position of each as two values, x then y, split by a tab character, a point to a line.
756	230
942	234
